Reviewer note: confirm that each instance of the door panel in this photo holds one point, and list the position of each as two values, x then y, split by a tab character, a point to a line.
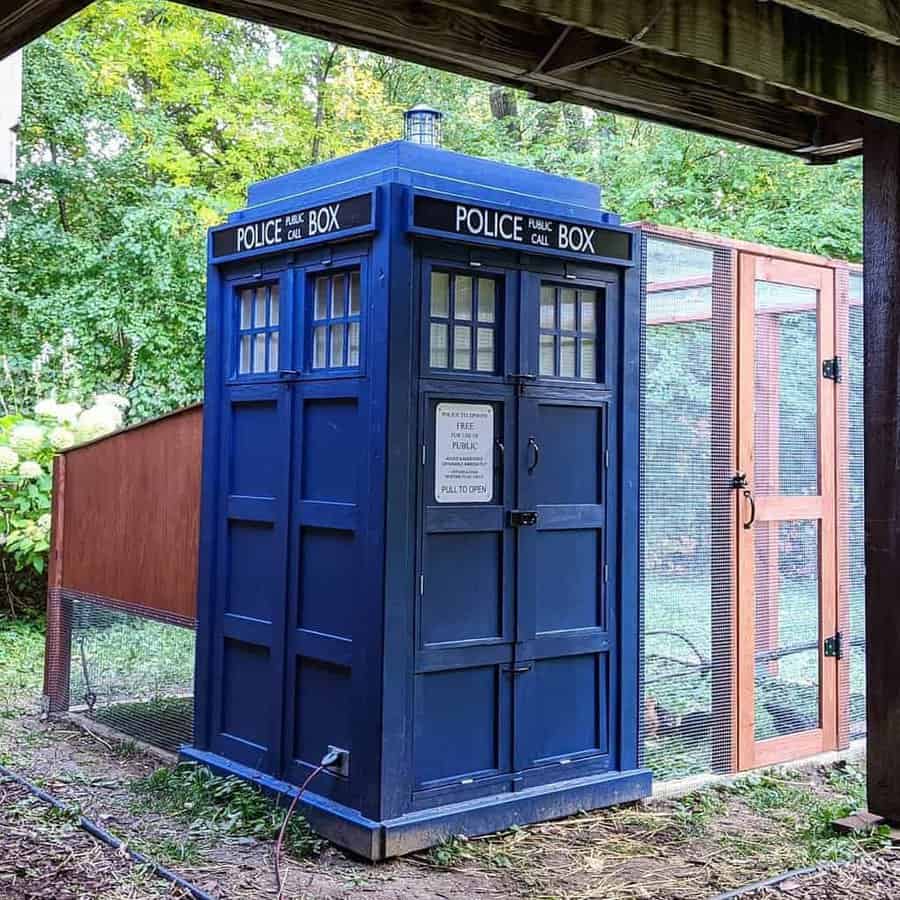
787	598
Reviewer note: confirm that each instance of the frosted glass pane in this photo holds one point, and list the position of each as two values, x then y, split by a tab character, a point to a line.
486	295
337	346
319	338
463	297
548	307
274	303
338	298
246	309
439	358
321	307
353	346
273	352
485	353
567	357
588	360
259	353
462	347
440	294
259	309
244	364
588	302
567	309
548	355
354	293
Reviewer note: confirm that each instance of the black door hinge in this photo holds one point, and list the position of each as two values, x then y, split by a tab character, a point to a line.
831	368
521	518
834	646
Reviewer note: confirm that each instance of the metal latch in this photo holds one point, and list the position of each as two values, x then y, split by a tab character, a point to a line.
522	518
831	368
834	646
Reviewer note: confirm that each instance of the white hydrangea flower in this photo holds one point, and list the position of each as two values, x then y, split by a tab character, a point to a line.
26	438
9	460
98	420
67	413
43	522
30	469
60	438
116	400
46	407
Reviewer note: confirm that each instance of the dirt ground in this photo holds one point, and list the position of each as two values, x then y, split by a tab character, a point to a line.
692	848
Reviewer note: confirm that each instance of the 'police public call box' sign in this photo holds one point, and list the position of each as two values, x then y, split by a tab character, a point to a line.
528	230
464	447
327	220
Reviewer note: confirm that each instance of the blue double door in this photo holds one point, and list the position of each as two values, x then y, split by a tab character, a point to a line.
516	664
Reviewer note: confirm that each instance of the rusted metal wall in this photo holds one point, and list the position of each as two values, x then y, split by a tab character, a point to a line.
126	511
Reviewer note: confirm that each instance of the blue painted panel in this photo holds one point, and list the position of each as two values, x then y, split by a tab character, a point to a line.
246	678
463	602
568	569
329	566
571	453
323	709
569	705
457	724
257	450
331	449
253	588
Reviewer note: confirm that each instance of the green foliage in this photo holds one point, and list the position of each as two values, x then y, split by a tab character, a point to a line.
789	798
21	663
214	805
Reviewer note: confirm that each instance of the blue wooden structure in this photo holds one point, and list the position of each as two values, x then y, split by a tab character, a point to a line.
419	521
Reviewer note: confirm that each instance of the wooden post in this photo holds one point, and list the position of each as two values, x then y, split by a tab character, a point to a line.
58	646
881	417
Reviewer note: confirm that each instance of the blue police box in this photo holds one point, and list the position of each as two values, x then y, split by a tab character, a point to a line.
419	540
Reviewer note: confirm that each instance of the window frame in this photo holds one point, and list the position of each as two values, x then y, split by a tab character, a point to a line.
578	334
309	323
453	269
237	288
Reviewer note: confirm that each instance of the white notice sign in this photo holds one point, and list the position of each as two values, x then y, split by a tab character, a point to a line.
464	453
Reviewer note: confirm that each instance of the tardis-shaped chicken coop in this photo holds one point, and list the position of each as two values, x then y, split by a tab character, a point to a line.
420	520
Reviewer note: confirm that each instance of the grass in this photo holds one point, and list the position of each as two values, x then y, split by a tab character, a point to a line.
21	664
213	806
693	847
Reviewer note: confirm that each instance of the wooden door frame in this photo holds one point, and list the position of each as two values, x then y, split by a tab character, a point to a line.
752	753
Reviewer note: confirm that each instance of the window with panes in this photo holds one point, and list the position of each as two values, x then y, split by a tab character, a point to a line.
336	320
568	332
258	317
463	318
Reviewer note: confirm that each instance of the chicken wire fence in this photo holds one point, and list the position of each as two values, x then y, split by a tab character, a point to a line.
123	669
687	509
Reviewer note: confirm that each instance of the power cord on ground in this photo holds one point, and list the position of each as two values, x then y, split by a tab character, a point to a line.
329	759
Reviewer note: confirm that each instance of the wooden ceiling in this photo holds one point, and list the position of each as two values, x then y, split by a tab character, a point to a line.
792	75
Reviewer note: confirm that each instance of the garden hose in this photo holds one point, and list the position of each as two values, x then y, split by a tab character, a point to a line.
96	831
768	883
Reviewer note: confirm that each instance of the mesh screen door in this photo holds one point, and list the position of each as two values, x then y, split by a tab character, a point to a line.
787	590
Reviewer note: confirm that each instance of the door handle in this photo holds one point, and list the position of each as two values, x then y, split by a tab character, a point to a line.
536	453
748	495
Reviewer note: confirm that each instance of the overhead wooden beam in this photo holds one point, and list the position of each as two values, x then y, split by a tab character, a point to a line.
483	40
23	22
879	19
764	41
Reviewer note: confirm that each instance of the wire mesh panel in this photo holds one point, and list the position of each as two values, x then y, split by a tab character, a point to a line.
129	672
787	678
853	511
686	520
